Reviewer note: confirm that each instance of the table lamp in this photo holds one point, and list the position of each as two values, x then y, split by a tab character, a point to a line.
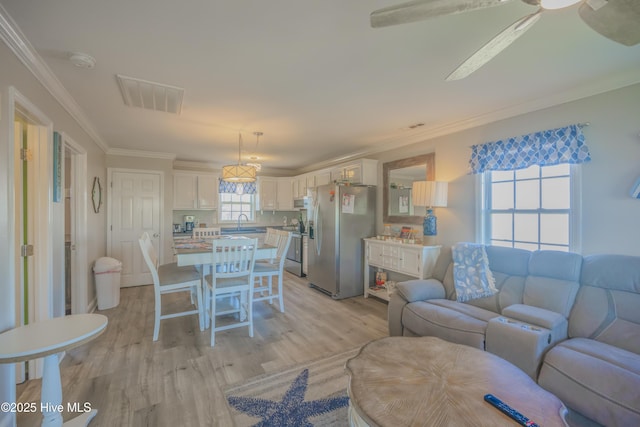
431	194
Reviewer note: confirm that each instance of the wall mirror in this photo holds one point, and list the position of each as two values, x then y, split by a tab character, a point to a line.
397	179
96	194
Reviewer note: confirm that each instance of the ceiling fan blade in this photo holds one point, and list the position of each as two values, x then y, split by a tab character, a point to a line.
617	20
418	10
494	46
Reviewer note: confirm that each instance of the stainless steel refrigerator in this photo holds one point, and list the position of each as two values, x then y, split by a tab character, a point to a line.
342	216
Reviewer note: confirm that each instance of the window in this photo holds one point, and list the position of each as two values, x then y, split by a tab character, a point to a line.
233	205
533	208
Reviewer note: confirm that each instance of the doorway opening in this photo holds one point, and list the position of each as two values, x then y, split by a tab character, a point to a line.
31	241
76	274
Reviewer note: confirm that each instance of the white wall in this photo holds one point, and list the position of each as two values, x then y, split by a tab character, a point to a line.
15	74
610	216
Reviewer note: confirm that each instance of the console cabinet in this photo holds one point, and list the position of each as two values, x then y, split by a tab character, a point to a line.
414	260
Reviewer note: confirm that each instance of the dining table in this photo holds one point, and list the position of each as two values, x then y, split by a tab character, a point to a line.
198	251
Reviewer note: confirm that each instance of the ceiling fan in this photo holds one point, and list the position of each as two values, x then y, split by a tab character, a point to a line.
618	20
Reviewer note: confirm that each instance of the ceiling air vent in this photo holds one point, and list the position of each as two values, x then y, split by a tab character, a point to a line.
150	95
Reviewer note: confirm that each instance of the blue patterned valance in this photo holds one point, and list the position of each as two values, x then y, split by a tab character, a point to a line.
546	148
232	187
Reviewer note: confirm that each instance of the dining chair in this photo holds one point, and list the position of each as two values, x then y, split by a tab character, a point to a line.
269	269
169	278
203	233
231	276
272	237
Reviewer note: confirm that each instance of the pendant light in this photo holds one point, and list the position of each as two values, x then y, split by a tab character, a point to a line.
239	172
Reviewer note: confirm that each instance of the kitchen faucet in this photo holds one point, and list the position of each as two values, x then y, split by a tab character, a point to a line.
240	217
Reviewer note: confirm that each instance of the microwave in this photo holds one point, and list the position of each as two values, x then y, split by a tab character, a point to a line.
302	203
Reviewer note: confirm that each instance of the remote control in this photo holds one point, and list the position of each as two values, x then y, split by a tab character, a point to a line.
509	411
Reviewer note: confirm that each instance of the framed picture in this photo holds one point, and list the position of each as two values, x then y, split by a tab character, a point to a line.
57	167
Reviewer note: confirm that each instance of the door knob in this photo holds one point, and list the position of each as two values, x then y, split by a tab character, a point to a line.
156	235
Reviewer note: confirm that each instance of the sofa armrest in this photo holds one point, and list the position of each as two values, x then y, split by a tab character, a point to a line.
420	290
408	292
551	320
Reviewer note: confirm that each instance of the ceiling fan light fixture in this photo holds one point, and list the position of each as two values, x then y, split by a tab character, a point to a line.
557	4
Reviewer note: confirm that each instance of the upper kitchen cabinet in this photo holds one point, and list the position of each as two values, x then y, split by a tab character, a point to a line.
268	193
194	191
363	171
284	194
322	178
299	186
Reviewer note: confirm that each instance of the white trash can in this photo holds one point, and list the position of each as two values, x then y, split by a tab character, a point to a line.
107	273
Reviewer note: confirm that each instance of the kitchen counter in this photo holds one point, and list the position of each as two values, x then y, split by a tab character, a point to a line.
258	229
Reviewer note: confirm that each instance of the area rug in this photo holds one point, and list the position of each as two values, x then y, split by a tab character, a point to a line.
312	394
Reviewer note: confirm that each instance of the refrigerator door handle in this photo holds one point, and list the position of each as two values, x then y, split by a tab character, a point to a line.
318	237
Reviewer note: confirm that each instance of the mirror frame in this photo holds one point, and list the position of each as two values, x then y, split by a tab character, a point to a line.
429	160
96	195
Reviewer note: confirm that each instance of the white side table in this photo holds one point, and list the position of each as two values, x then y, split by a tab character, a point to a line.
46	339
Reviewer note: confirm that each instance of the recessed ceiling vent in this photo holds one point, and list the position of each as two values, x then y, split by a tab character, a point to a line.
150	95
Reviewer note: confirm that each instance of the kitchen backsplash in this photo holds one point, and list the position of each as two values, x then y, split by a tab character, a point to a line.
210	218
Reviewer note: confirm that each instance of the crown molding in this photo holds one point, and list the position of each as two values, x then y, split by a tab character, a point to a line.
139	153
13	37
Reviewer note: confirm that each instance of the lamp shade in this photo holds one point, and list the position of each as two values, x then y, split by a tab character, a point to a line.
239	173
431	194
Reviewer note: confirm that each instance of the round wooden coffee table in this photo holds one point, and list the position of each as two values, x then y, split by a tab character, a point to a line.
401	381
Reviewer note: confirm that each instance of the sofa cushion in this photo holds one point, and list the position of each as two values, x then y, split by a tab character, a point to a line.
553	281
606	308
596	379
450	320
620	272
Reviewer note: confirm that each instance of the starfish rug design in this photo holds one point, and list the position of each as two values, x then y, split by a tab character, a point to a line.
292	410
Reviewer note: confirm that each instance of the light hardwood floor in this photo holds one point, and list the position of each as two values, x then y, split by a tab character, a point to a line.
179	379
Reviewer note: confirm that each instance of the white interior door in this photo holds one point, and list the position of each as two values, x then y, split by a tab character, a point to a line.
135	208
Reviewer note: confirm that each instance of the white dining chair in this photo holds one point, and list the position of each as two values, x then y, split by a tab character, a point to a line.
206	232
269	269
169	278
231	276
272	237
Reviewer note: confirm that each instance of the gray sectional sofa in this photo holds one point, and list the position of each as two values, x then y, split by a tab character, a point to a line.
571	322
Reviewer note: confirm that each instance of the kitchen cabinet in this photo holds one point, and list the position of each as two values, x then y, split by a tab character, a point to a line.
301	187
195	191
284	194
414	260
311	181
363	171
268	193
322	178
